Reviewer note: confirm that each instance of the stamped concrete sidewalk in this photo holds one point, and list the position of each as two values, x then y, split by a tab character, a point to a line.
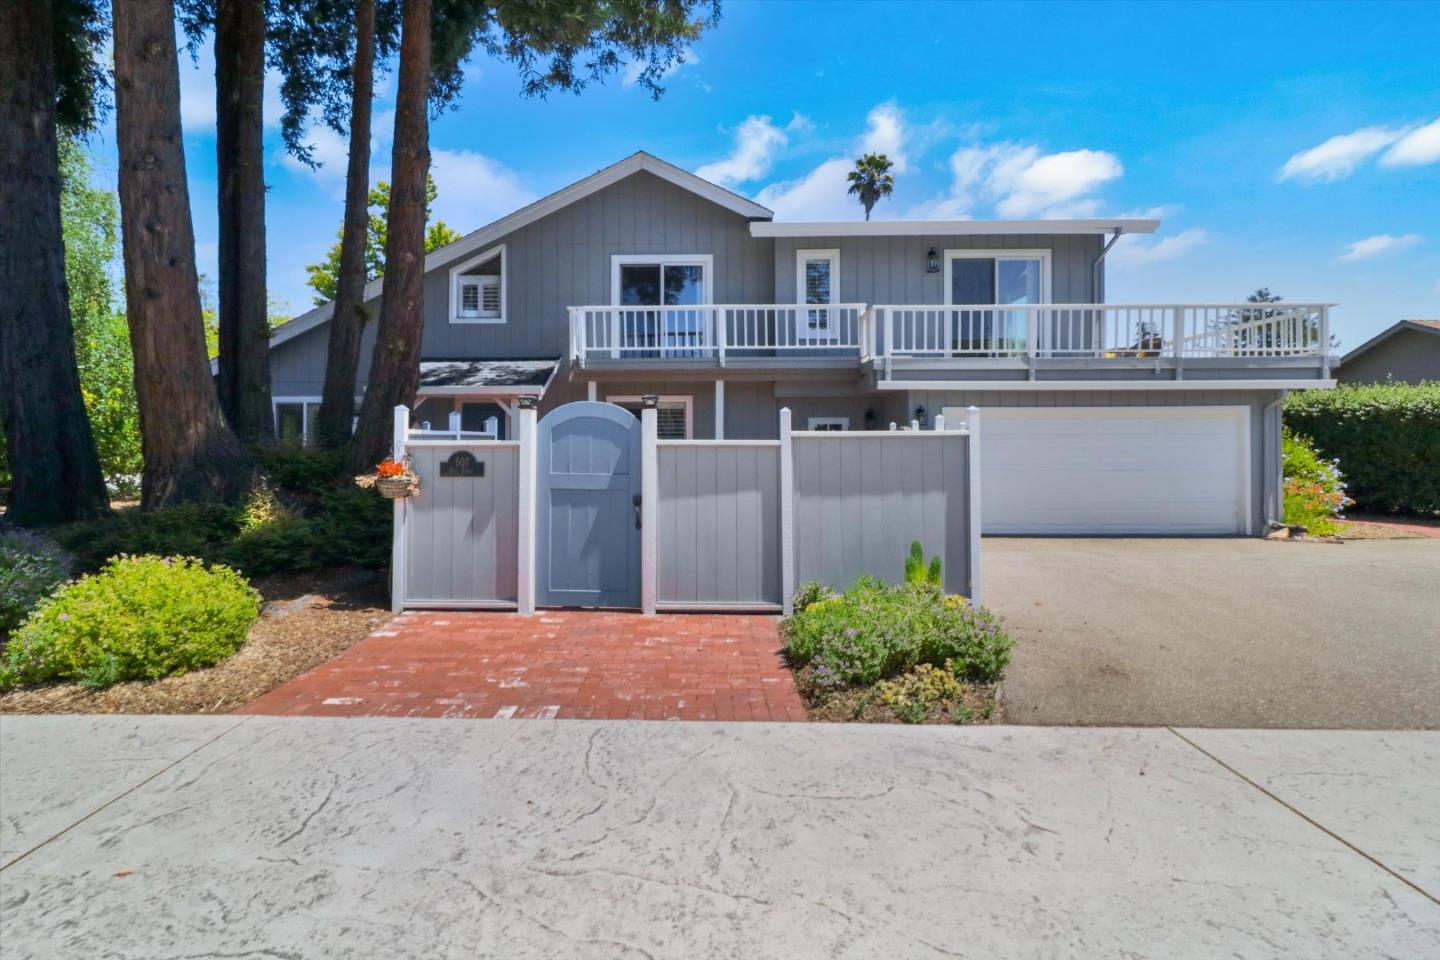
328	837
568	665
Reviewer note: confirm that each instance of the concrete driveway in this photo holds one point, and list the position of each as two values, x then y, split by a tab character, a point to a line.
281	837
1220	633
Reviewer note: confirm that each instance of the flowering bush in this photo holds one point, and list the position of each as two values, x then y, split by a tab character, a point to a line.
1315	495
390	468
30	568
139	618
913	694
874	631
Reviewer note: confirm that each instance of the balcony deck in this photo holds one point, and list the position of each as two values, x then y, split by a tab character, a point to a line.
899	344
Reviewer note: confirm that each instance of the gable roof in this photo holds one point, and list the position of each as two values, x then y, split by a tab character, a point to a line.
1419	326
579	190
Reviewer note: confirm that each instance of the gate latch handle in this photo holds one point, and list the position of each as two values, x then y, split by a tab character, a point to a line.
636	501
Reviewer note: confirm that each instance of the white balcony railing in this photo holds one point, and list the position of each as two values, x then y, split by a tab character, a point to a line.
715	332
1097	331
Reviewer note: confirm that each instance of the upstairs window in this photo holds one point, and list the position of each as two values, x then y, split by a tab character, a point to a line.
477	289
817	281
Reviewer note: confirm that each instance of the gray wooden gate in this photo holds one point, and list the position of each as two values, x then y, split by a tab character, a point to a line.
588	510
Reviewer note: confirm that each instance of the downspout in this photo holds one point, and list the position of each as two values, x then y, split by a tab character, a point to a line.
1095	267
1275	504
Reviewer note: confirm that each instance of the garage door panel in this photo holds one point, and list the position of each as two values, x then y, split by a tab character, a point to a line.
1114	470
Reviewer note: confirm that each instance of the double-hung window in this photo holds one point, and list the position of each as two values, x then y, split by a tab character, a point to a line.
817	281
975	279
670	297
477	288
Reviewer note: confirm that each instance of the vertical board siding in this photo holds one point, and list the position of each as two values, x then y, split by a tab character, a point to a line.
719	524
861	501
462	533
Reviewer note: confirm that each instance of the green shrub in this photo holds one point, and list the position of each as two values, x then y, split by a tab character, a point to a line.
140	618
1386	437
352	528
914	694
1314	490
299	469
874	631
917	572
811	591
205	531
30	569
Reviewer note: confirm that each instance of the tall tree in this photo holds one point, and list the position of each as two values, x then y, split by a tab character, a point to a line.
871	180
244	363
554	46
395	367
48	77
190	452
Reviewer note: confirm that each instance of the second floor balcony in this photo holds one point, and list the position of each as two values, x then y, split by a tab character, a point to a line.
893	338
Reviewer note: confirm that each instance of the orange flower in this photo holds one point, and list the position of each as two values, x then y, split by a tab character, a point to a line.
390	468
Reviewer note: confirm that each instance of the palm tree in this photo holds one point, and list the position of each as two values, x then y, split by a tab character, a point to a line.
871	180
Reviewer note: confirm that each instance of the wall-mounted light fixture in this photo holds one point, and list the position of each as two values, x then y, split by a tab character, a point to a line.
932	261
870	419
920	417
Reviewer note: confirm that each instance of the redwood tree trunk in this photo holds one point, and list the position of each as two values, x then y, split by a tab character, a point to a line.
190	452
395	367
51	450
347	320
240	162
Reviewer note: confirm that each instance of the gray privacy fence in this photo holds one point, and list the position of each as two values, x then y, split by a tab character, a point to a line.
725	524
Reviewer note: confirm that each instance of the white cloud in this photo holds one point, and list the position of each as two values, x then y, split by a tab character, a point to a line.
885	133
1418	147
197	92
1023	182
634	68
1338	157
821	194
1136	252
1376	246
756	143
472	189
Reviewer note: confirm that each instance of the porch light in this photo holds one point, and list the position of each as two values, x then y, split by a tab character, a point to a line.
932	261
528	403
870	418
920	417
650	401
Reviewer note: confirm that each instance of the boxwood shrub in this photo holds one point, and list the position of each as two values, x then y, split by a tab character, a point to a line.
1386	437
140	618
874	631
30	569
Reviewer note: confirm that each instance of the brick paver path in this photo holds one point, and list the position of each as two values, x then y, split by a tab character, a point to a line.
579	664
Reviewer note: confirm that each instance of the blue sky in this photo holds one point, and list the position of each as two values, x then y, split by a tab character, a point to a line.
1292	146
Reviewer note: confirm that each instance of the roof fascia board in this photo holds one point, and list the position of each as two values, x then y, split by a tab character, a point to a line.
1386	334
920	228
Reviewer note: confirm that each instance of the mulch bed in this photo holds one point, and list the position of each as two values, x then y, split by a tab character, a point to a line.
981	702
307	619
1379	527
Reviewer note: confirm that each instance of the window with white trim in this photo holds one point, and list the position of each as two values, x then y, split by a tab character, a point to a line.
672	415
477	288
817	281
829	423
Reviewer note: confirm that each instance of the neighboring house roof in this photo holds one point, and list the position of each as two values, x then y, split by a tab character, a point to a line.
911	228
578	190
1420	326
487	376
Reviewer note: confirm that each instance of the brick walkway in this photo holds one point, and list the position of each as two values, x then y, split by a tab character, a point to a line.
570	664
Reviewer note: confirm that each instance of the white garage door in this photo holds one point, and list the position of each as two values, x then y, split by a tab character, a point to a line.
1113	470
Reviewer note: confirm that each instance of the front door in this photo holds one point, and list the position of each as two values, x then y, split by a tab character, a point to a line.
588	536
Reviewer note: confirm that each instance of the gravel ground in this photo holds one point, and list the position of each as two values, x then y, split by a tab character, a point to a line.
1220	632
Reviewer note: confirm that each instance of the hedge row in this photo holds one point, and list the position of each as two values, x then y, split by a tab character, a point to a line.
1386	437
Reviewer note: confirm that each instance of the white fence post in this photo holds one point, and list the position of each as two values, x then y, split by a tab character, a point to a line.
1325	341
525	552
972	456
787	514
397	532
939	423
649	500
1177	340
492	427
454	423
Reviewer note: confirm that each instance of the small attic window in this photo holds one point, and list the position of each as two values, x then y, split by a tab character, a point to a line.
478	289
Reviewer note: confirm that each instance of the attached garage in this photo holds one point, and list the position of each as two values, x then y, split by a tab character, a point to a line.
1115	470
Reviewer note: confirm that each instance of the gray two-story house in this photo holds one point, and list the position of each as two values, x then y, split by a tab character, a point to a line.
646	279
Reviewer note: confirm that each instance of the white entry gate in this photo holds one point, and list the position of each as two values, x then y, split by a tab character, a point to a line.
722	524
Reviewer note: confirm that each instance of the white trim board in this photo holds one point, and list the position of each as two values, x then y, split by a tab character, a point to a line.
1105	385
543	207
952	228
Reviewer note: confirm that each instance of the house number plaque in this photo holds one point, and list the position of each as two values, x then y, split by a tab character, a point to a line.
462	464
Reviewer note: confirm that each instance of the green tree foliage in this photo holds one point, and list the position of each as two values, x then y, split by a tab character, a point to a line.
1386	437
325	275
91	224
871	180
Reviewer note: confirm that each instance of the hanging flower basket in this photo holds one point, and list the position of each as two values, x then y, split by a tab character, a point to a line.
394	479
